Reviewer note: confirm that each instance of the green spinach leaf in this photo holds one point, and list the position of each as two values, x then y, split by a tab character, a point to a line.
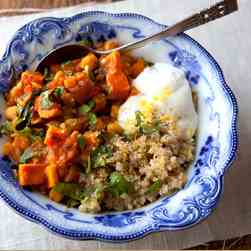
71	190
100	156
154	188
58	91
81	141
6	128
25	115
118	185
27	155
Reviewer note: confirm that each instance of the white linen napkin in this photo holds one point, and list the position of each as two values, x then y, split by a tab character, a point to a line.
229	42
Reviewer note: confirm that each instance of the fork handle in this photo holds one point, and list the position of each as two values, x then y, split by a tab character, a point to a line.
205	16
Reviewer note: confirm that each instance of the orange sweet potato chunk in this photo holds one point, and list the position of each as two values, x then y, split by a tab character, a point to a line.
52	175
31	174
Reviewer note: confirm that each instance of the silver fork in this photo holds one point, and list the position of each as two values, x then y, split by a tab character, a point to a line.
219	10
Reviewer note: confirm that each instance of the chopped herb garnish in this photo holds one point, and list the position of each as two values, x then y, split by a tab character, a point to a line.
92	118
58	91
91	104
6	128
66	63
154	188
139	119
27	155
118	185
33	134
98	191
47	75
100	156
81	141
71	190
145	128
89	164
90	74
72	203
46	102
84	109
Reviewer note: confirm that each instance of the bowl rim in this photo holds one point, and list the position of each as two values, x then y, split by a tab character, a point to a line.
231	154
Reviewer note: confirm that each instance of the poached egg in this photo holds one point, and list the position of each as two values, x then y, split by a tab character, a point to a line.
164	92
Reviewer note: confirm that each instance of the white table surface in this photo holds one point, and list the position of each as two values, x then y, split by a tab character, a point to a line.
229	40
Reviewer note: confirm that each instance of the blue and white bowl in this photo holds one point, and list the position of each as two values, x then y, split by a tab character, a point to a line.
216	140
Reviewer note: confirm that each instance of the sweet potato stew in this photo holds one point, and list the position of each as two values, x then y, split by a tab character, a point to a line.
64	139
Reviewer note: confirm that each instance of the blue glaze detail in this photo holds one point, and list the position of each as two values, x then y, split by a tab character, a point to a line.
206	176
183	59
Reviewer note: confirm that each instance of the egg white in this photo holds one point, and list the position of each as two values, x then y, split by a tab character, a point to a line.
164	90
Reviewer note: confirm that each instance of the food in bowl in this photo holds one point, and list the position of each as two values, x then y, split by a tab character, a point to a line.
101	133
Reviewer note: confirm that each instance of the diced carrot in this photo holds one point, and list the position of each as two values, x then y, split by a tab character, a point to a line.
90	61
114	128
54	111
114	111
111	44
54	137
21	142
11	112
28	88
27	77
55	196
7	149
15	148
15	93
112	61
102	122
81	76
51	113
36	86
72	175
137	67
60	81
52	175
118	85
70	82
37	103
100	102
82	90
62	151
35	118
91	139
100	125
52	84
58	75
31	174
68	99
